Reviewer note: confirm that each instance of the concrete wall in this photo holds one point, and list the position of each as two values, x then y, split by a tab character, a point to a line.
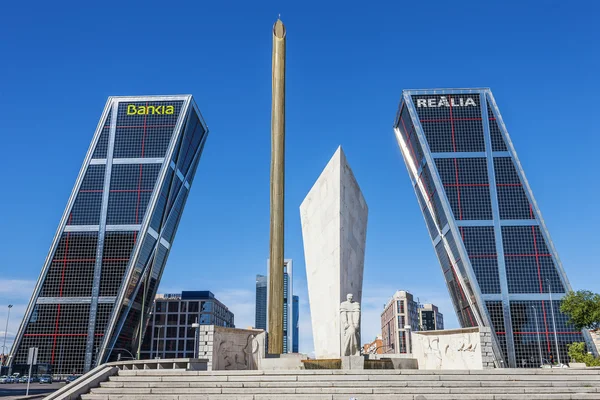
334	226
469	348
231	348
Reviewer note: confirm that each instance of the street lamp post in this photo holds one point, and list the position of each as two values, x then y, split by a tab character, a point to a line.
196	326
157	342
553	321
5	331
537	329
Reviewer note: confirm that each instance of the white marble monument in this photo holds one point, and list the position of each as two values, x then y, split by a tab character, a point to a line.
334	229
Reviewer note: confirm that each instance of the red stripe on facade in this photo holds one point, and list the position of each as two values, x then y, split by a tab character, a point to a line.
509	255
460	216
448	120
465	184
145	126
115	190
92	259
60	292
537	262
60	334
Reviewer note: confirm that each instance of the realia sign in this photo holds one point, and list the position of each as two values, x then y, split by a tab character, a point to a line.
442	101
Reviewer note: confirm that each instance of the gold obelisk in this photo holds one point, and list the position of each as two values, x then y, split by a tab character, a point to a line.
275	310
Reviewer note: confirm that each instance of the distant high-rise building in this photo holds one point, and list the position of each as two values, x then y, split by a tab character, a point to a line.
260	314
262	301
295	322
500	265
399	312
430	319
170	333
115	235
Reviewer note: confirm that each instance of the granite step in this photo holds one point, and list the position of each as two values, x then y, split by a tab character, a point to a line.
559	396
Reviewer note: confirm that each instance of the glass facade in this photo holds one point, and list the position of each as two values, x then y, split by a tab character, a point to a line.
262	295
496	254
114	238
170	333
260	313
295	322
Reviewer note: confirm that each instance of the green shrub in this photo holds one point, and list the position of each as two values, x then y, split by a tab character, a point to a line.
578	353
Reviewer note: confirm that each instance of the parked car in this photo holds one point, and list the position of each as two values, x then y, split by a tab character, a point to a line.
24	379
71	378
45	379
6	379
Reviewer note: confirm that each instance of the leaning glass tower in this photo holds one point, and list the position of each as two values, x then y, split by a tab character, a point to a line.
498	260
112	243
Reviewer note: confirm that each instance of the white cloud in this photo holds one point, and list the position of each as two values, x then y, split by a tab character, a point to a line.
15	289
241	303
16	292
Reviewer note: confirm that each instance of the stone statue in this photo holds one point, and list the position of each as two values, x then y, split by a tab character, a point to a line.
350	325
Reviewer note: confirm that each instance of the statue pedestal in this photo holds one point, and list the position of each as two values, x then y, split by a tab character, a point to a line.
353	362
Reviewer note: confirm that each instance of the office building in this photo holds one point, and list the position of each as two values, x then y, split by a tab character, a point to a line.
500	265
260	314
290	329
106	259
400	315
430	319
295	322
170	333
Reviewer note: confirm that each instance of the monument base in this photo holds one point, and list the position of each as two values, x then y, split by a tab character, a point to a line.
392	361
289	361
353	362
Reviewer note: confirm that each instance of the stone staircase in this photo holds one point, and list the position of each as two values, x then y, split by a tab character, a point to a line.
494	384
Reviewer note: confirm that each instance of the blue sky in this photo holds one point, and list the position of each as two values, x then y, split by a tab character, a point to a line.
347	65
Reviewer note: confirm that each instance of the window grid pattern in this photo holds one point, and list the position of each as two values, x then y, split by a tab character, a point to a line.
60	330
144	135
458	295
466	185
130	190
431	228
191	140
433	198
453	127
165	219
115	258
88	203
450	126
534	333
171	322
496	313
512	200
480	244
102	146
409	135
72	269
529	265
60	333
498	143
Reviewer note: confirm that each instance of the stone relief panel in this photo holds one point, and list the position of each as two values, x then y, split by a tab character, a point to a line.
237	349
452	350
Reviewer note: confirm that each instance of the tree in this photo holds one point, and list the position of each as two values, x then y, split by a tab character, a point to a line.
582	308
578	353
